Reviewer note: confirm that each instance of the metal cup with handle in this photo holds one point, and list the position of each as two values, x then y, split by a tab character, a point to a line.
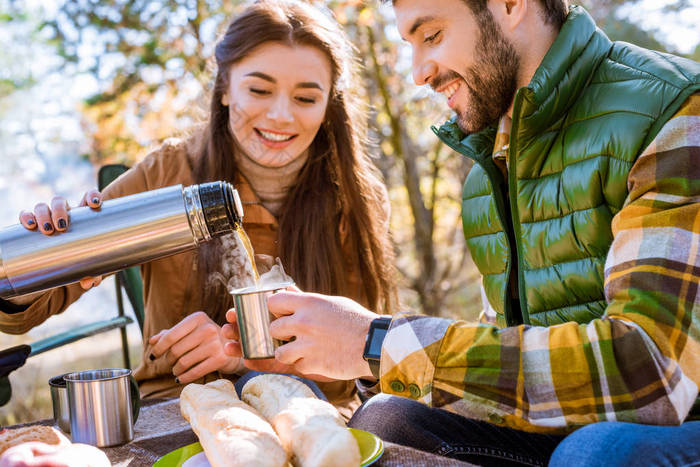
254	320
104	405
59	400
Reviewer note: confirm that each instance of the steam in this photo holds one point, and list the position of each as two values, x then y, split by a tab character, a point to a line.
234	267
236	272
275	276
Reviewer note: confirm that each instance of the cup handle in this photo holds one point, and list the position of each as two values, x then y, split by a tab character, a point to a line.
135	398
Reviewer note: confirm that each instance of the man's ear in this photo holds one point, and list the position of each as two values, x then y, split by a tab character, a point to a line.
224	99
509	13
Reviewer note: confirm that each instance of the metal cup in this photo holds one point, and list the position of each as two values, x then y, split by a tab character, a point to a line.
104	405
59	400
254	320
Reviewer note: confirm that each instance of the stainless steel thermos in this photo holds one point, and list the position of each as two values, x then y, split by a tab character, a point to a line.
123	232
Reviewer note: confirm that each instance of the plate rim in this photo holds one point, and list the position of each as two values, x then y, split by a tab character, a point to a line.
376	454
190	445
378	451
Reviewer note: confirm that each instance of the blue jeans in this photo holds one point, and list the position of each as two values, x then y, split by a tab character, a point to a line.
613	444
404	421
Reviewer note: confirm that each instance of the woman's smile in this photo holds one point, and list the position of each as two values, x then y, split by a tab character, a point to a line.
275	139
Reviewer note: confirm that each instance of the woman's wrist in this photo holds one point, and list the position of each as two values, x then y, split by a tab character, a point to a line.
235	365
26	299
11	306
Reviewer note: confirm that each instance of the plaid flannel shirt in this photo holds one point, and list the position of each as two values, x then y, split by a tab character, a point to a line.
639	363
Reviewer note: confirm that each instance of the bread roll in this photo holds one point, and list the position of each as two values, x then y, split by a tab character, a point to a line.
45	434
231	432
310	429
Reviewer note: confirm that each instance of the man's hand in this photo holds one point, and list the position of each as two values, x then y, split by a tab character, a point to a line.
268	365
330	334
233	348
194	348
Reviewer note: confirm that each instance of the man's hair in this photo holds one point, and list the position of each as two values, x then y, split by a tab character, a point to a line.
554	11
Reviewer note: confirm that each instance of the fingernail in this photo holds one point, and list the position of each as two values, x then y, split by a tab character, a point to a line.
48	226
95	200
177	380
151	357
31	222
61	223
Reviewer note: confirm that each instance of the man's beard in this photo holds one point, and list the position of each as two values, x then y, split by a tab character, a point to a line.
491	82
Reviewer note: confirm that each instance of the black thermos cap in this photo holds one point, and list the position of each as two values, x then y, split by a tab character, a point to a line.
219	207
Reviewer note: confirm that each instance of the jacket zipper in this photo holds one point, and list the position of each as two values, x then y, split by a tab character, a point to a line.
515	216
499	196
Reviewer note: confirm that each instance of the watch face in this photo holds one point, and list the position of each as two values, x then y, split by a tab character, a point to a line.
375	342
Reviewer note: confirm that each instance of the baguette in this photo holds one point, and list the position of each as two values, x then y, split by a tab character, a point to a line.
311	430
231	432
45	434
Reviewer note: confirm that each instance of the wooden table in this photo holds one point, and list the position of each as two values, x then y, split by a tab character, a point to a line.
160	429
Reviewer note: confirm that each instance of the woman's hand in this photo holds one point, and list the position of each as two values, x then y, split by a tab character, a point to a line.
54	218
194	348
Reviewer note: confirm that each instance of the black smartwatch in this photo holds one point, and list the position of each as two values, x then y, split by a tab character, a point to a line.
373	345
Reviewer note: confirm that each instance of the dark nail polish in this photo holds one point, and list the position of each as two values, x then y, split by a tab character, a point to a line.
48	227
177	380
151	357
31	222
61	223
95	200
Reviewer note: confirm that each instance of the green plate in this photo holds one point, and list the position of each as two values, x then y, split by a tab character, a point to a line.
371	449
371	446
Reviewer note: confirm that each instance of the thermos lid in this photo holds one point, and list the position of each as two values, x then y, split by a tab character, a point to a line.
220	206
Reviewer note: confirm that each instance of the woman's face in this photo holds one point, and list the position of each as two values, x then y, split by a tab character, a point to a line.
277	99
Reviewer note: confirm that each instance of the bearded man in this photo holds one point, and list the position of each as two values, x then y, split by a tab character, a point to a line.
582	212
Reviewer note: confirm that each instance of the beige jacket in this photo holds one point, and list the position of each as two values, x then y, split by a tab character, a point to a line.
172	288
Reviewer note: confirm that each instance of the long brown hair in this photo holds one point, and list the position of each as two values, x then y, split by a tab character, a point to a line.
338	182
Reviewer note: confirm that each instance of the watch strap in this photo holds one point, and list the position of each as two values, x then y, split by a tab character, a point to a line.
374	367
382	321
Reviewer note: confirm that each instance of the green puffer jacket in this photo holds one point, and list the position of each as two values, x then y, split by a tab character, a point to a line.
577	129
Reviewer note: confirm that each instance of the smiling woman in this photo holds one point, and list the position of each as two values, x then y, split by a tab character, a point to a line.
277	99
285	130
